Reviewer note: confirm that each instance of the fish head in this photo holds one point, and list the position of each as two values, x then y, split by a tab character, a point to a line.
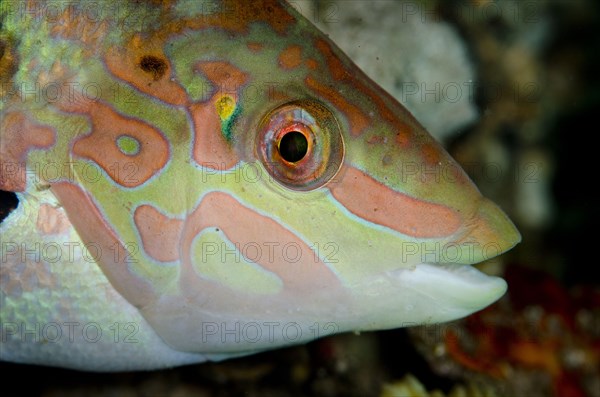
337	209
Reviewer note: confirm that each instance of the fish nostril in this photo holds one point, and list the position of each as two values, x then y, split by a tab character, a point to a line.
8	63
154	66
8	203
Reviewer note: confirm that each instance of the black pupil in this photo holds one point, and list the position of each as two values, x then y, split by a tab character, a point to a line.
293	146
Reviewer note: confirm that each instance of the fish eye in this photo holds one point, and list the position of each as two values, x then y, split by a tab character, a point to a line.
300	144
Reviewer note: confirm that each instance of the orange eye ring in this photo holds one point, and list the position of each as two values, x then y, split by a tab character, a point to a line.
300	144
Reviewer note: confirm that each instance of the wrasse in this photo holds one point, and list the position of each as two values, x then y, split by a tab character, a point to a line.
198	181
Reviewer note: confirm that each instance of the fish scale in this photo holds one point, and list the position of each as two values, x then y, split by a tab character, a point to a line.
201	181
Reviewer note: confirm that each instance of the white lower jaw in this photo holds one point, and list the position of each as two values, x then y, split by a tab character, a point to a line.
422	294
460	286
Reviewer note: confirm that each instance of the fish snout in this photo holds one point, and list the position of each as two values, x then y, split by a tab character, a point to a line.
490	232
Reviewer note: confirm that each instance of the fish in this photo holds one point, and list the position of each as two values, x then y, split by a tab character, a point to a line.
205	180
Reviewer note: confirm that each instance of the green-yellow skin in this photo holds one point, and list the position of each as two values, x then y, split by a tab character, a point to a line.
163	218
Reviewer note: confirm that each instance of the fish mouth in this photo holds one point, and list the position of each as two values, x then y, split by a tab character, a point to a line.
425	292
453	290
463	284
